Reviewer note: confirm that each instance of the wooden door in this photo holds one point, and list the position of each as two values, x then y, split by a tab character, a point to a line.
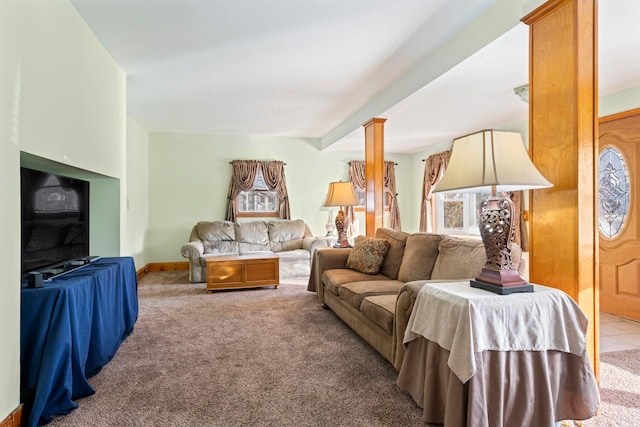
618	217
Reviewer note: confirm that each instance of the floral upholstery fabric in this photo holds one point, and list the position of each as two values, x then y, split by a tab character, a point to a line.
367	254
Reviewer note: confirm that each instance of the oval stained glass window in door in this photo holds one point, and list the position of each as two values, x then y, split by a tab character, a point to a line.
613	192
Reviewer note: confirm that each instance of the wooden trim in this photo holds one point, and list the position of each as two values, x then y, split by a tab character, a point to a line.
14	419
168	266
363	209
545	9
142	272
374	172
618	116
273	214
563	144
161	266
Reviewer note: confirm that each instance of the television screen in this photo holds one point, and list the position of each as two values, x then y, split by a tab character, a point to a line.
55	219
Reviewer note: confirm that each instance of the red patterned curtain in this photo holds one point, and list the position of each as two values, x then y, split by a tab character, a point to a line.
358	179
273	174
521	235
243	175
434	167
390	186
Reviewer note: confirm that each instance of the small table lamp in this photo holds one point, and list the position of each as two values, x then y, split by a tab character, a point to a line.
495	162
341	194
330	227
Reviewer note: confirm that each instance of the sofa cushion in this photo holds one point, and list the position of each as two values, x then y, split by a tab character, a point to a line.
393	259
286	235
252	236
205	257
367	254
331	287
459	259
420	253
294	254
380	309
220	247
332	279
216	230
354	293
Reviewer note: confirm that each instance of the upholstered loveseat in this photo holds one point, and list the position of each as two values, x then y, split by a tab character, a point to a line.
291	240
377	305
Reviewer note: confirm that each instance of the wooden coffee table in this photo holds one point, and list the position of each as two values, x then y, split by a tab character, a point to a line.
242	271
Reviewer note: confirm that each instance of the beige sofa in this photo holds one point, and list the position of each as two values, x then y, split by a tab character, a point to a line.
291	240
378	306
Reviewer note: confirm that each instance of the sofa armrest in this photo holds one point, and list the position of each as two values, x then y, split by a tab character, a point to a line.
327	259
193	250
313	243
404	305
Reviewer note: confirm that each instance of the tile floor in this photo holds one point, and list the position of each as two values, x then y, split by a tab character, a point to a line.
617	333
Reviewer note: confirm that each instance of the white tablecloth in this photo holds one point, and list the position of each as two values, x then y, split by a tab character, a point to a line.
466	320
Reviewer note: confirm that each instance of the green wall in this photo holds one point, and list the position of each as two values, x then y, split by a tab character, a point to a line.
10	87
189	177
62	107
136	203
624	100
189	180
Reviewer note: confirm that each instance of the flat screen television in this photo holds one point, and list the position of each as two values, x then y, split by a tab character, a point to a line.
55	220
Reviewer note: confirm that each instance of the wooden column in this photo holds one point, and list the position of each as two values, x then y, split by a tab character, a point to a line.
563	145
374	173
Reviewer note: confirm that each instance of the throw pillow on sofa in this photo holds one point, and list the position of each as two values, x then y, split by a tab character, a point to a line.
286	235
393	259
420	255
367	254
252	236
215	231
459	258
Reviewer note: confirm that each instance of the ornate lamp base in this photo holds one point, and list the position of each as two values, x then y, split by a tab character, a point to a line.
330	227
501	290
497	231
341	227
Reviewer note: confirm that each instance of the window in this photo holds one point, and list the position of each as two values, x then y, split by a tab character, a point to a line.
257	189
458	213
361	195
259	201
613	192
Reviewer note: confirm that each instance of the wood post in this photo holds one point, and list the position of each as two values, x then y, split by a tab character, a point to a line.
563	145
374	172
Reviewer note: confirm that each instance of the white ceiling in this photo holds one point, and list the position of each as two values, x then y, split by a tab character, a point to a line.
299	68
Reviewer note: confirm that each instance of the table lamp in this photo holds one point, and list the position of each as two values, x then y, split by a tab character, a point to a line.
330	227
341	194
493	162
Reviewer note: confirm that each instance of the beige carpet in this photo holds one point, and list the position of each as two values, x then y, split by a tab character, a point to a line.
619	390
255	357
269	357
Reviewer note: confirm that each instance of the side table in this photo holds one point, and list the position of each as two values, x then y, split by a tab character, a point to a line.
243	271
476	358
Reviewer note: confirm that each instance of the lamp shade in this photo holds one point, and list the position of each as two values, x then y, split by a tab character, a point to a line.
324	206
490	161
340	194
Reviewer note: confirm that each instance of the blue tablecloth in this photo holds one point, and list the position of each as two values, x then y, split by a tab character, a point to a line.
70	329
